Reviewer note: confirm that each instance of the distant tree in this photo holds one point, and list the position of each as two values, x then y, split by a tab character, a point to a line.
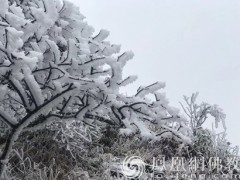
198	113
52	68
207	143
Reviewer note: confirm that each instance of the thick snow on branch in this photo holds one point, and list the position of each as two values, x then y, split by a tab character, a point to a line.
10	120
13	39
217	112
102	35
128	80
125	57
143	91
3	90
33	86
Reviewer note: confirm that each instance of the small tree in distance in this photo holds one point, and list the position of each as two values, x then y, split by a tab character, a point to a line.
205	142
52	68
198	114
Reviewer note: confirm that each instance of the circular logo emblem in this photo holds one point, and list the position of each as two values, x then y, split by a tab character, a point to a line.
133	167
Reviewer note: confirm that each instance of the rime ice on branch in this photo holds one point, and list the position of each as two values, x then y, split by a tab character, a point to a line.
53	67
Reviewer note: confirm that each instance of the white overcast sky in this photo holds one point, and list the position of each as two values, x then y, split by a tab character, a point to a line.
192	45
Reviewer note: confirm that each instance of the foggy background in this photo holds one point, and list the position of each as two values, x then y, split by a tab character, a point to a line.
191	45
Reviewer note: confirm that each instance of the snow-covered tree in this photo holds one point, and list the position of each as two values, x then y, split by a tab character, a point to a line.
198	113
207	143
52	68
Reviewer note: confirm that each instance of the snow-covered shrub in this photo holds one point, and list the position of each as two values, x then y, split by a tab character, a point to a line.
207	143
53	68
223	146
70	144
23	167
202	144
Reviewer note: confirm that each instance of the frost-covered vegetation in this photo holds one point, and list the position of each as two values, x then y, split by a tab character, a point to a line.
62	115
